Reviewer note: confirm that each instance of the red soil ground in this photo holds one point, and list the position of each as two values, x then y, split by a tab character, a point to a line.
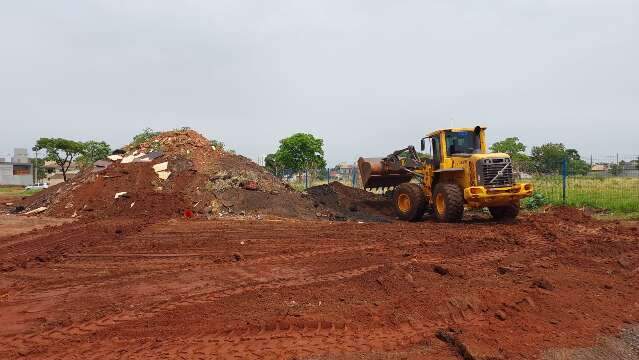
242	289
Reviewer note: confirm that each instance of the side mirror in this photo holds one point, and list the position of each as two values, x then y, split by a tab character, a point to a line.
423	147
477	130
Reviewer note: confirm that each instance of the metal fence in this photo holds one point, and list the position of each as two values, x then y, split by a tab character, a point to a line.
605	183
608	183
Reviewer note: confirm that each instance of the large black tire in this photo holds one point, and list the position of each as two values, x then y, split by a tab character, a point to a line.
508	212
448	202
409	201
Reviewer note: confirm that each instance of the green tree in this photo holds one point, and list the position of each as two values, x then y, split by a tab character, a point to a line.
218	145
271	164
38	168
516	150
93	151
61	151
301	152
146	135
549	158
510	146
615	169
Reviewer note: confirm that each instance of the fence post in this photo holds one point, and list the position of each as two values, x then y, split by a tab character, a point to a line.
306	179
353	179
564	175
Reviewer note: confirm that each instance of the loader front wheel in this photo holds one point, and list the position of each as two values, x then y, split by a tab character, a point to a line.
508	212
409	201
448	202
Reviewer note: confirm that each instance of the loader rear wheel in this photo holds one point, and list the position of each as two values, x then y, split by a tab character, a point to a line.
448	202
508	212
409	201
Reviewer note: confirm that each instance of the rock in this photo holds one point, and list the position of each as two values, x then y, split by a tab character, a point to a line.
121	194
441	270
161	166
543	283
36	211
237	257
207	210
163	174
499	314
114	157
504	270
250	185
17	209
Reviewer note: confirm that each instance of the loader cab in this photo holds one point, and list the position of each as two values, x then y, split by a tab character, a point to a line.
447	143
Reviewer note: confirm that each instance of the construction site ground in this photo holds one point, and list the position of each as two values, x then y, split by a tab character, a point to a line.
243	288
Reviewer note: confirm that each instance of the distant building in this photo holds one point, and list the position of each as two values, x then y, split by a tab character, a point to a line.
342	171
599	167
54	174
17	171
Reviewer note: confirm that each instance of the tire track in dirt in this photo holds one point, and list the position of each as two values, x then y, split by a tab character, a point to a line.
247	276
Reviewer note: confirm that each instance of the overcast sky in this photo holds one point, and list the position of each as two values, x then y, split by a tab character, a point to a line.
366	76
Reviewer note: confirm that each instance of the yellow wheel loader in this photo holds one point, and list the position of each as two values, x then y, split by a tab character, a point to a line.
456	172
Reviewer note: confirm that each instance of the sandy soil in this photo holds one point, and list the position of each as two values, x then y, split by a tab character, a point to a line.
244	289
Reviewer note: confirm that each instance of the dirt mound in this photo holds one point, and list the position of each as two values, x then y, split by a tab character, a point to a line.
351	203
173	174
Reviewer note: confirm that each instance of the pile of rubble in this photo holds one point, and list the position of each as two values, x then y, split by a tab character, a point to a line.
171	174
179	173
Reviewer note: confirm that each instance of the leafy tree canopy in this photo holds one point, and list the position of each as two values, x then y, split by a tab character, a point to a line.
271	164
516	150
301	152
146	135
548	158
94	151
61	151
510	146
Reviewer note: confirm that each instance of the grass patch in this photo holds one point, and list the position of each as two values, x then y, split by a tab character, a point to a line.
17	191
615	194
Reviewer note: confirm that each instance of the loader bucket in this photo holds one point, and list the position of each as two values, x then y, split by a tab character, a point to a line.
376	175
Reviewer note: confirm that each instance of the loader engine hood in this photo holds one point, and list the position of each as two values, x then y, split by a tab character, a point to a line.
494	170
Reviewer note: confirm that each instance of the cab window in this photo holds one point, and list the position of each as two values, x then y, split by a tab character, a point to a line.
462	142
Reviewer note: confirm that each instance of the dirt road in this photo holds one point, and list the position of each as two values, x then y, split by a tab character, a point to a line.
316	290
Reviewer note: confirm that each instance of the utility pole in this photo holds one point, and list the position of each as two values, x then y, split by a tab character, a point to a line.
35	165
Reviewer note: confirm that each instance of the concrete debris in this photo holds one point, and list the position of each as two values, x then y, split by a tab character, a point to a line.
128	159
114	157
164	174
161	166
101	165
36	211
133	203
120	194
149	157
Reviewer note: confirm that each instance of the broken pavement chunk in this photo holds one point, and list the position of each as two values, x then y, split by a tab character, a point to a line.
150	156
36	211
120	194
164	174
128	159
161	166
114	157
